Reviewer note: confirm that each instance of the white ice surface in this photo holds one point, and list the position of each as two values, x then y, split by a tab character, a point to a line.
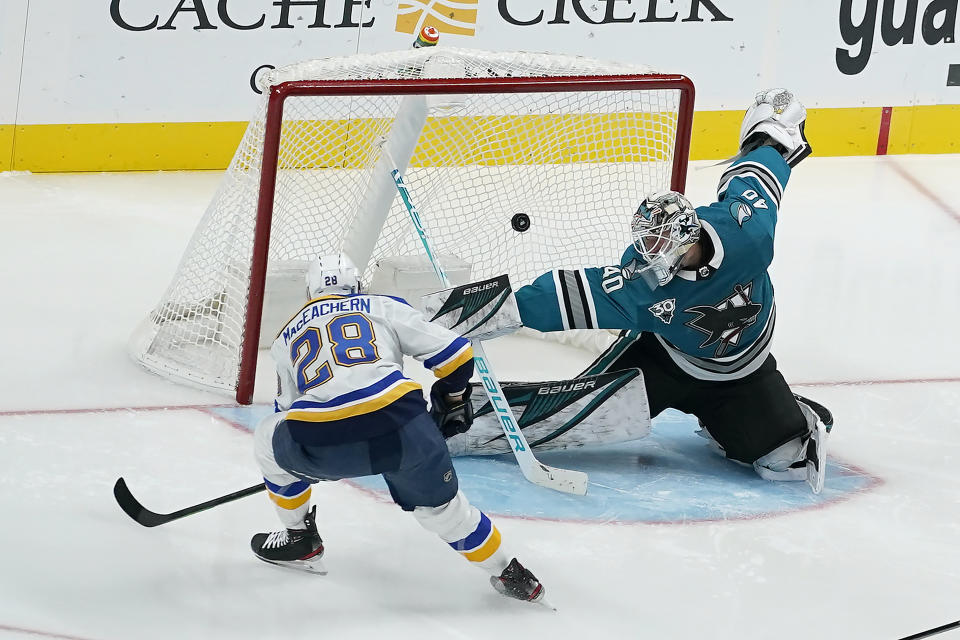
867	291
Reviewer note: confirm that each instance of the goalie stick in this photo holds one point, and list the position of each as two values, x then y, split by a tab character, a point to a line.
565	480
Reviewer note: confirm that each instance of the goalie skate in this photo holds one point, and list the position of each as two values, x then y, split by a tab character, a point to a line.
821	411
300	549
821	422
816	462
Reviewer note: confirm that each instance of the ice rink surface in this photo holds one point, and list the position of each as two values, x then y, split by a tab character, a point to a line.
868	297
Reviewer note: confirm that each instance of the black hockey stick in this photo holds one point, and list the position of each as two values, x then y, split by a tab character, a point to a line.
132	507
933	632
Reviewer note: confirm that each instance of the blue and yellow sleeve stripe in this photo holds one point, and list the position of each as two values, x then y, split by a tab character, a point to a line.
482	543
289	496
451	358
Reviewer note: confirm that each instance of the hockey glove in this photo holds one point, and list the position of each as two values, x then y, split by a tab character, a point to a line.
776	118
452	412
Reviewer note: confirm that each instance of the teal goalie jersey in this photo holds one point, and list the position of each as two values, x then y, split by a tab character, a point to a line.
714	321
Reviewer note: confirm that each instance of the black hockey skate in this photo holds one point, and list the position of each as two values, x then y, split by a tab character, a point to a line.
295	548
517	582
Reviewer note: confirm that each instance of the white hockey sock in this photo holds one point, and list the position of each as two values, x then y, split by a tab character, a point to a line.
290	495
468	531
292	503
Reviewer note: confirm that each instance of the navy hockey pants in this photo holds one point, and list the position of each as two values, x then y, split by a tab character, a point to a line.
414	461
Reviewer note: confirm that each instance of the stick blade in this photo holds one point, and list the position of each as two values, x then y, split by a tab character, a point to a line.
133	508
563	480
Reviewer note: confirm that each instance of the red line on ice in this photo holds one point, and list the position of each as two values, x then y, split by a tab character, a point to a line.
927	193
185	407
209	408
35	632
851	383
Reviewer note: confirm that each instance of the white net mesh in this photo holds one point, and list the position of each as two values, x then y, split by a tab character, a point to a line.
576	163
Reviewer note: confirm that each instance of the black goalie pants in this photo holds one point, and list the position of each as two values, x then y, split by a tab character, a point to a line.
749	417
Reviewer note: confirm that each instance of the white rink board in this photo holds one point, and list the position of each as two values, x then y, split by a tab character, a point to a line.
13	17
143	61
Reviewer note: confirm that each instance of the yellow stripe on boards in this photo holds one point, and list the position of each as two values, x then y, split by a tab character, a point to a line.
485	550
843	132
126	147
716	134
290	503
6	147
559	139
484	140
925	129
379	402
831	132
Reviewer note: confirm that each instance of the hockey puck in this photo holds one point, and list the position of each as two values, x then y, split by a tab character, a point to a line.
520	222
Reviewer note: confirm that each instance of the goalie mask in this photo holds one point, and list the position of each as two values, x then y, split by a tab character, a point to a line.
664	228
332	275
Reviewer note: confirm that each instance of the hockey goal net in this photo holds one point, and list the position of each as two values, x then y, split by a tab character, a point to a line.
519	163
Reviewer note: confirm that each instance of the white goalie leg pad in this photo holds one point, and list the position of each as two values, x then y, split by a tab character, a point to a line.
803	458
467	530
290	494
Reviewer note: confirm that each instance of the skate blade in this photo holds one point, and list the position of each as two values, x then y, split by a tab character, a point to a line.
313	565
539	599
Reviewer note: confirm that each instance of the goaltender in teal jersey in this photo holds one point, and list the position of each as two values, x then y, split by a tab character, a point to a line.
696	307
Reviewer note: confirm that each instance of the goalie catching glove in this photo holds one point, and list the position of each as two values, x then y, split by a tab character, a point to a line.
452	412
777	119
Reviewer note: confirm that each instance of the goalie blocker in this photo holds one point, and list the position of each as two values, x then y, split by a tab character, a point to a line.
480	310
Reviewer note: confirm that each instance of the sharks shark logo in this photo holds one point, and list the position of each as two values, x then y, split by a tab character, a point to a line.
740	211
726	321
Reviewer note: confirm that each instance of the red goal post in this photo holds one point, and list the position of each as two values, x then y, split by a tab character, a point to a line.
464	189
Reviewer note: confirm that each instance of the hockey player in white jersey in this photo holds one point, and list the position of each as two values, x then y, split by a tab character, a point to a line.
345	409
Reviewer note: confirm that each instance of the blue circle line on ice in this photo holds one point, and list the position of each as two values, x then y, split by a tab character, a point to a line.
671	476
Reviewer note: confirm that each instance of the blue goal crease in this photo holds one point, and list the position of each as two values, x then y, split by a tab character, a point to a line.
671	476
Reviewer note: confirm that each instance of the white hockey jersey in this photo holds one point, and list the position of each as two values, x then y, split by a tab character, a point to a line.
340	367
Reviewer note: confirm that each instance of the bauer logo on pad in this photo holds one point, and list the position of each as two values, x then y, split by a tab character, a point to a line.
457	17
